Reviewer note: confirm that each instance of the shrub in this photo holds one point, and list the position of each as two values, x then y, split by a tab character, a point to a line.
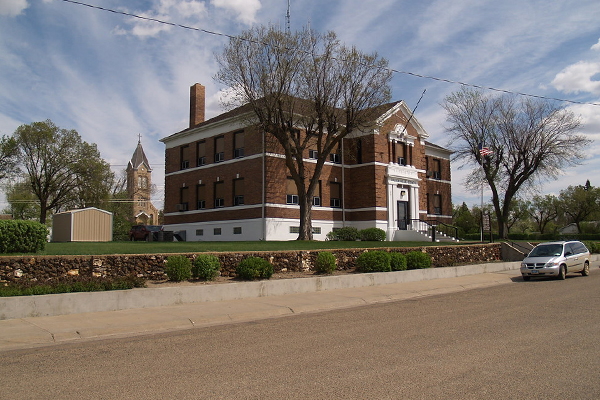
593	247
22	236
252	268
372	235
348	233
206	267
178	268
325	263
70	285
374	261
398	261
418	260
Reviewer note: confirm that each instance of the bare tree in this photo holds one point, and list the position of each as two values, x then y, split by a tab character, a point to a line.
304	89
531	140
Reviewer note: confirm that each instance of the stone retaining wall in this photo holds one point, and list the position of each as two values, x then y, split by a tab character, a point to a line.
151	266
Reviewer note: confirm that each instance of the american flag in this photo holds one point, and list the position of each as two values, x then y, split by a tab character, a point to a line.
484	151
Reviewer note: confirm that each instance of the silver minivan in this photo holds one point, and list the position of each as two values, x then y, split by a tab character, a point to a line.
556	259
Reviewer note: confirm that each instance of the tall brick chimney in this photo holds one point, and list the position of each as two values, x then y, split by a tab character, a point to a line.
197	95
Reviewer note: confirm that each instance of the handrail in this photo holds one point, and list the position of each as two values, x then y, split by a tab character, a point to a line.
431	228
520	247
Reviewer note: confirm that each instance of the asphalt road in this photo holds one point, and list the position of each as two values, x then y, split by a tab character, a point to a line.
524	340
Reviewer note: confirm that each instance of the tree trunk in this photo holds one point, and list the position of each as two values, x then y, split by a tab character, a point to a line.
43	213
305	218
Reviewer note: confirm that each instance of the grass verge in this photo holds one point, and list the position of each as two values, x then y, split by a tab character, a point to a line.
95	248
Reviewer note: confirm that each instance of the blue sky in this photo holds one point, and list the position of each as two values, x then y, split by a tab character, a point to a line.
112	77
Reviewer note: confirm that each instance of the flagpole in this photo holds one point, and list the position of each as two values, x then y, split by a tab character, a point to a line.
482	182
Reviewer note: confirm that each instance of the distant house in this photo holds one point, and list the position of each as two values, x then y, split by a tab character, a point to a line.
225	180
139	188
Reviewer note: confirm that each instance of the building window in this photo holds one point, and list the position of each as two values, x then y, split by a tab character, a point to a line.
294	229
219	194
335	156
313	154
184	194
316	230
219	149
400	153
238	144
359	151
184	153
217	231
437	204
237	230
291	192
335	198
199	232
238	192
201	153
201	197
317	195
437	170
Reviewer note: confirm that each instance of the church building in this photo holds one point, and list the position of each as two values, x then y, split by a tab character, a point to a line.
139	188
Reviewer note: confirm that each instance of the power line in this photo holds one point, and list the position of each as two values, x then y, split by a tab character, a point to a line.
414	74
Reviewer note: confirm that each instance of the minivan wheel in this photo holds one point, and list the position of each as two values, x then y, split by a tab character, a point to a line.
562	273
586	269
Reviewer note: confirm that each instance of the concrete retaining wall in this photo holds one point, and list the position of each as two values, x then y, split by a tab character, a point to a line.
73	303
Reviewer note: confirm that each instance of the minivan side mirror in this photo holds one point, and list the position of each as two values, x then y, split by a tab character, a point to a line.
568	253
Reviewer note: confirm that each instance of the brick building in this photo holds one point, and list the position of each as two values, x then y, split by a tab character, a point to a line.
225	179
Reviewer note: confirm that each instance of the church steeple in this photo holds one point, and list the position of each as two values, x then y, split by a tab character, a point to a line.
139	157
139	186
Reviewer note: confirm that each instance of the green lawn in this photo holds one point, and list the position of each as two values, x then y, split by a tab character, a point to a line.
84	248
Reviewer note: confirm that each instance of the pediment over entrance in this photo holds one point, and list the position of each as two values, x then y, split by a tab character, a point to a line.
406	174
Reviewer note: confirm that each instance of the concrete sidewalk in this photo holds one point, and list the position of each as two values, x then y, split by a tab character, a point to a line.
37	331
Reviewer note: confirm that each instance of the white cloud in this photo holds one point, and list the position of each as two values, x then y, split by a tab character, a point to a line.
596	46
177	11
12	8
578	78
246	9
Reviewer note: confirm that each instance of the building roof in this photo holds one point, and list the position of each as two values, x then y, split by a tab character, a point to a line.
139	157
373	114
428	143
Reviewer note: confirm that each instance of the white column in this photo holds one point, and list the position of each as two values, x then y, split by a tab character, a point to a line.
390	211
414	198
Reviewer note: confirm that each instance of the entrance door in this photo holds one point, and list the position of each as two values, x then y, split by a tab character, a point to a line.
403	215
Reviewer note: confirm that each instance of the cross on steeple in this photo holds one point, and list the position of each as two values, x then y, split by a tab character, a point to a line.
139	138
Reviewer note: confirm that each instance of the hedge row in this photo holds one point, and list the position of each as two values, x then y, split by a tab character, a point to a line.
17	236
535	237
350	233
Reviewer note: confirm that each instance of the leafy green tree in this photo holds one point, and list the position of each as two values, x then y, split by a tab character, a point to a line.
518	215
464	220
305	81
543	210
62	170
8	157
22	203
531	140
580	203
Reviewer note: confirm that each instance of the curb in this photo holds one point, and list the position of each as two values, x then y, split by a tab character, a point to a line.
75	303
